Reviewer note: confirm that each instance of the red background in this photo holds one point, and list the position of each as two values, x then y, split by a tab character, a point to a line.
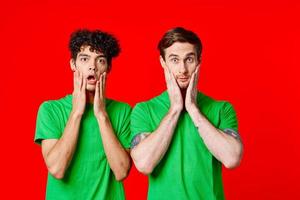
250	58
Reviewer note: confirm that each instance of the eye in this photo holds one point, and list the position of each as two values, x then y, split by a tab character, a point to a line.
190	59
83	59
174	60
101	61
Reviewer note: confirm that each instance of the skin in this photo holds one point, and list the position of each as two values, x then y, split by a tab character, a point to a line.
181	68
59	153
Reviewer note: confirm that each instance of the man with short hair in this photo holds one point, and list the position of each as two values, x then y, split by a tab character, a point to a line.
84	136
182	137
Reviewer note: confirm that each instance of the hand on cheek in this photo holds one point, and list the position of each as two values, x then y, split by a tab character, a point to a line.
99	99
191	93
79	94
176	102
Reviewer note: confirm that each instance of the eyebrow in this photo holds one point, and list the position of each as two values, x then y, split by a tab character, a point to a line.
190	54
173	55
86	55
101	56
82	54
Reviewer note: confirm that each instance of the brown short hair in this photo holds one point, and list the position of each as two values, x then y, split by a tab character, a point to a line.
179	34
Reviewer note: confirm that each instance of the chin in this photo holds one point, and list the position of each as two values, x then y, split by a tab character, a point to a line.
183	85
90	88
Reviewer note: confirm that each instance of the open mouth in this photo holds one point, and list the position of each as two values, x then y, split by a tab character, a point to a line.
92	79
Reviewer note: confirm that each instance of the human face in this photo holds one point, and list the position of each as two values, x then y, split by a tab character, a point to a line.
91	64
181	60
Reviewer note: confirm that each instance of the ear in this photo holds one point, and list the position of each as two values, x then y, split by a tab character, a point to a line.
162	62
108	69
72	64
200	60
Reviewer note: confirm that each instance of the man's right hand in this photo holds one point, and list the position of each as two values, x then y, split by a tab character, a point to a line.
79	94
176	101
58	153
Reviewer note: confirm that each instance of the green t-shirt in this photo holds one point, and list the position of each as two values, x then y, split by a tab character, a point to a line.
188	171
89	175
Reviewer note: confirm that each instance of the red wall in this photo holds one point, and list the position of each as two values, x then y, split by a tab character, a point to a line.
250	58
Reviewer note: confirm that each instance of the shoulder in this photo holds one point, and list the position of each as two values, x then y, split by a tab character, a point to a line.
117	104
117	108
56	105
157	101
207	102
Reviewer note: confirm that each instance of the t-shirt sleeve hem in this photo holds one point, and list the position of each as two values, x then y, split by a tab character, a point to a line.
38	140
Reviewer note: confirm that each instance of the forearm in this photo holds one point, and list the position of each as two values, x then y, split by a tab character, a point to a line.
60	155
117	156
147	154
224	147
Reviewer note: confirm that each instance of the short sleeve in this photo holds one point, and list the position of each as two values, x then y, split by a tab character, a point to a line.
124	133
139	120
228	119
46	124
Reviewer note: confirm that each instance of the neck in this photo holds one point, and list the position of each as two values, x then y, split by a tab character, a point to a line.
183	93
90	97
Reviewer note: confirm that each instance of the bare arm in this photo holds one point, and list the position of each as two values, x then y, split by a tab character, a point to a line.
147	154
117	156
226	148
59	153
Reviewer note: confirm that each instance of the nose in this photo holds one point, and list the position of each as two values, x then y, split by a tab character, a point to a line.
182	68
92	66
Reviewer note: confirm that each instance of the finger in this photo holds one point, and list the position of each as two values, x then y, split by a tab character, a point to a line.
79	82
197	76
195	88
83	86
168	78
100	85
76	80
75	76
191	84
173	79
167	74
97	91
172	76
104	84
197	70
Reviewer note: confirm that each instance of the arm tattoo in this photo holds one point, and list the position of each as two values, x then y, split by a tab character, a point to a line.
137	139
232	132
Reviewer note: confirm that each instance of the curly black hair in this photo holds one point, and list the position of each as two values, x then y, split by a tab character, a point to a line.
97	40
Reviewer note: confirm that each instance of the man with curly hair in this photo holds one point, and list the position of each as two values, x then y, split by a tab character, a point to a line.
182	137
85	136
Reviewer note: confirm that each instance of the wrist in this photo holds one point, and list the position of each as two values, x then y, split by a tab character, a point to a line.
175	110
191	108
76	114
101	115
195	115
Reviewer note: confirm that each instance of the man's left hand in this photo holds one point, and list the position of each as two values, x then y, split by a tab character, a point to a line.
191	92
99	99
